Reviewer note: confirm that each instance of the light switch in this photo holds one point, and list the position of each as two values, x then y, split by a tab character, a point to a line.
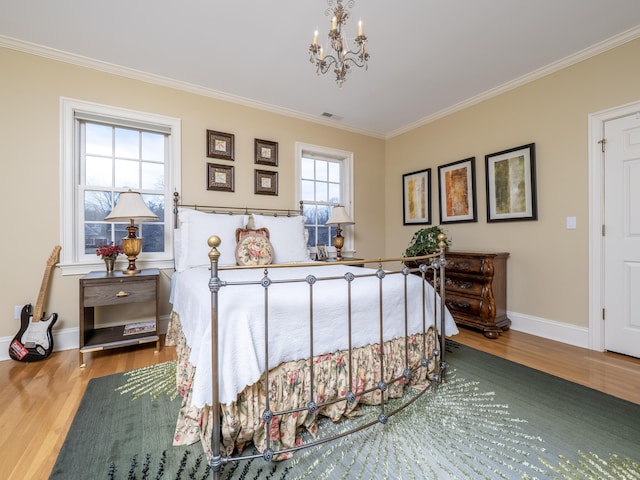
571	223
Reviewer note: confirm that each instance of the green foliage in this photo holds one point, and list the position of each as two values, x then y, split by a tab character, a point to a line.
424	242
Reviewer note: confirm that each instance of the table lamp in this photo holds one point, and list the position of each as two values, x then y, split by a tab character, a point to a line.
129	208
339	216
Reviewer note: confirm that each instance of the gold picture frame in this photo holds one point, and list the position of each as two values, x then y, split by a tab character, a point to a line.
266	152
220	177
220	145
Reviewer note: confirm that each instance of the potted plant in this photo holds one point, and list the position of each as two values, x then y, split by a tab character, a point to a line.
425	241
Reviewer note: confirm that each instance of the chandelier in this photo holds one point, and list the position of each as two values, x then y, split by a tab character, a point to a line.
340	58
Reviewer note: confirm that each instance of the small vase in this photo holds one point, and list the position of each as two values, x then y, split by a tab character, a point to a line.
109	263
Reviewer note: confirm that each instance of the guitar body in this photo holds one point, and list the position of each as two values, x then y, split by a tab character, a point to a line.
34	340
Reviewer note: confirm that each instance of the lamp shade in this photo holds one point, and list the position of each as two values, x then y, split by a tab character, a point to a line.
339	216
130	206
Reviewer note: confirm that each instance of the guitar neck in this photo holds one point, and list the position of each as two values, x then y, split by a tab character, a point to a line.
38	312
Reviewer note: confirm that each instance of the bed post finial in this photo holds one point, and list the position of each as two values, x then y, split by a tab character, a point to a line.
214	241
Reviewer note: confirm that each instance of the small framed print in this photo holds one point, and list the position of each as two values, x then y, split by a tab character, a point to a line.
266	152
219	177
511	184
220	145
266	182
457	191
416	198
321	252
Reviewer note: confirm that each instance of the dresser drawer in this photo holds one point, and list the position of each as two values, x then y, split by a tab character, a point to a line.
98	293
467	305
465	284
462	264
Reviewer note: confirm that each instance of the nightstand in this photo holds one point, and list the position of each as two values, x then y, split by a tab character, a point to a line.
107	291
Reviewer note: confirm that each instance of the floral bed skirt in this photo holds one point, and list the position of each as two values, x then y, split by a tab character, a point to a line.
289	387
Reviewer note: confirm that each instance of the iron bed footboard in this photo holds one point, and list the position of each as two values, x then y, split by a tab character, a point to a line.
430	264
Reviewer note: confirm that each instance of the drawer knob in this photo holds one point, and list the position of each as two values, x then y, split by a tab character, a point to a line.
122	293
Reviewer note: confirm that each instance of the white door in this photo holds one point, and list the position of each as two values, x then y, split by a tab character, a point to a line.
622	235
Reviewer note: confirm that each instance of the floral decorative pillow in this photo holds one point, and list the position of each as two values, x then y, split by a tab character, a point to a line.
243	232
254	249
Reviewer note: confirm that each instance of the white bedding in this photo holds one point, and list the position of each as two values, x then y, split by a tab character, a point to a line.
241	319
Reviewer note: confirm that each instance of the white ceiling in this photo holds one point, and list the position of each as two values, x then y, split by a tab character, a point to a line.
428	57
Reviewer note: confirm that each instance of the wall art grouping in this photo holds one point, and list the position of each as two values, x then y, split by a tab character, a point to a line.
510	188
220	177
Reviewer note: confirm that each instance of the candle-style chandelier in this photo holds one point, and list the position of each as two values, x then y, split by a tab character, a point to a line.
340	57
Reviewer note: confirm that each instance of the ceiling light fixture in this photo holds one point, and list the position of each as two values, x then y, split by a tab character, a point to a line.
340	58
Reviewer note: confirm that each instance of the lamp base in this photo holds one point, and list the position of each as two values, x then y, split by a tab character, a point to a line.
131	248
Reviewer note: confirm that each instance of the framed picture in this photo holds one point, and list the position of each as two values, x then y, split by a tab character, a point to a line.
457	191
416	198
511	184
321	251
220	145
266	182
219	177
266	152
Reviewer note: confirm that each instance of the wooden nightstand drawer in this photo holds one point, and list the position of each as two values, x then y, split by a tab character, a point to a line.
123	292
467	305
103	292
470	265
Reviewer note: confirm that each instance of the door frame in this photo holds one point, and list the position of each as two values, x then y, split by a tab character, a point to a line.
596	218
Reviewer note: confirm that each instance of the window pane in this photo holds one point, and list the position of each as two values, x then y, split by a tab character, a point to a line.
98	140
152	176
97	205
323	235
334	192
127	143
321	192
310	213
127	174
321	170
98	171
155	204
307	190
307	168
323	214
153	147
96	235
334	172
153	237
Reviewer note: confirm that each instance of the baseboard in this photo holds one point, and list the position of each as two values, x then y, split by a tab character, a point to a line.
550	329
67	338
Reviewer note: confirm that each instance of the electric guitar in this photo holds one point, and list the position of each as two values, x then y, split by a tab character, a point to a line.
34	340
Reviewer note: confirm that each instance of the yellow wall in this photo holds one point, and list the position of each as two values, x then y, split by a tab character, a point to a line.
30	91
548	274
548	265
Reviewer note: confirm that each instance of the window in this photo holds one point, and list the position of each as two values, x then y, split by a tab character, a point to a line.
324	181
107	151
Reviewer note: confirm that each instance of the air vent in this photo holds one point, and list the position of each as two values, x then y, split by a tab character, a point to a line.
331	116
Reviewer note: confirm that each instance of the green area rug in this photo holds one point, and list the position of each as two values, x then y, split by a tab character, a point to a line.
493	419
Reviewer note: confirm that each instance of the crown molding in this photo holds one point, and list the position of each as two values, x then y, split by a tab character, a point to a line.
585	54
81	61
86	62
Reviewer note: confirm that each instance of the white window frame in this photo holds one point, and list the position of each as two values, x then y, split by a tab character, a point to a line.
71	261
346	175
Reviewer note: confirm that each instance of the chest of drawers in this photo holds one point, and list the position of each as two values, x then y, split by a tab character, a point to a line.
476	290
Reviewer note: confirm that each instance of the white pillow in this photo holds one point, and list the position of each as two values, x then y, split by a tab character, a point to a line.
287	235
196	227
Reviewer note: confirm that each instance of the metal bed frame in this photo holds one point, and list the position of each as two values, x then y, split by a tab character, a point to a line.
436	266
430	267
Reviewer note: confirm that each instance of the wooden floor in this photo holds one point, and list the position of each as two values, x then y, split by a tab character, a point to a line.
40	399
